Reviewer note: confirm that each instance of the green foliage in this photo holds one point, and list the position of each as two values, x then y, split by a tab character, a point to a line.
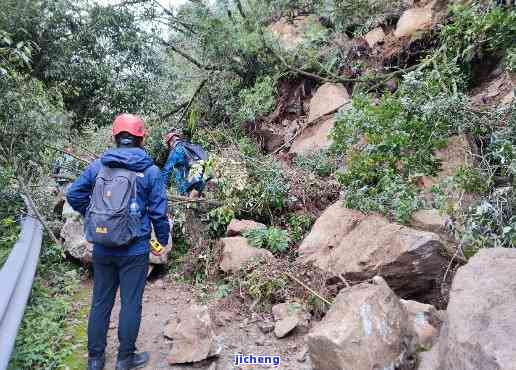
323	163
501	150
273	239
249	186
510	59
219	218
101	58
30	119
491	222
299	225
398	137
9	231
41	340
257	101
348	14
471	180
263	285
476	31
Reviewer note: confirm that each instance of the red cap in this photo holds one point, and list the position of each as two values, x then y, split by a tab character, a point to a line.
130	123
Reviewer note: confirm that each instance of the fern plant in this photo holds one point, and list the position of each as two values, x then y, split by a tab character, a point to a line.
274	239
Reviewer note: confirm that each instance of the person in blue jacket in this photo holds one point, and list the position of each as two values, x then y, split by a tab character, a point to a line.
178	164
125	267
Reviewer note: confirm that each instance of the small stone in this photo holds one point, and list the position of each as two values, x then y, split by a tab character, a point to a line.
266	327
160	284
259	342
301	356
285	326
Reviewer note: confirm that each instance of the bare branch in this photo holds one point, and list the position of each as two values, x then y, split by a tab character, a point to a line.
171	113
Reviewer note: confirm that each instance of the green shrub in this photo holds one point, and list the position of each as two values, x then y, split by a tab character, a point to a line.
471	180
219	218
299	225
391	195
476	31
323	163
250	186
274	239
257	101
390	143
510	59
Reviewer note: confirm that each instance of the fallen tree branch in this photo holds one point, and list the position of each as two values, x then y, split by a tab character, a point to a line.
32	208
181	199
309	289
71	154
188	57
199	88
94	155
63	177
240	8
171	113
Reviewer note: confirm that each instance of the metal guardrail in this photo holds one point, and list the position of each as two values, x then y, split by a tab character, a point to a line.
16	278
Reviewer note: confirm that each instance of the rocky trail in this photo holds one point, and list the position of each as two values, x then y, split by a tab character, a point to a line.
240	333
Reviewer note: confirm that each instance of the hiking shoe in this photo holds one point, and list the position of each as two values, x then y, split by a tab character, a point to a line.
135	361
96	363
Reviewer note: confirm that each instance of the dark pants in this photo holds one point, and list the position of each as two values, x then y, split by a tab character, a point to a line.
109	272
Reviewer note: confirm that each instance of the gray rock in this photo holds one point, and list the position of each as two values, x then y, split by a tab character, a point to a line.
238	227
366	328
75	244
426	323
479	331
347	243
193	336
237	253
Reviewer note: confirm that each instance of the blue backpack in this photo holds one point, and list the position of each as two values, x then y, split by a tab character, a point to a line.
194	153
113	217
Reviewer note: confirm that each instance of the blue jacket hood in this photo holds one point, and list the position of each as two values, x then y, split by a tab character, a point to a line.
134	159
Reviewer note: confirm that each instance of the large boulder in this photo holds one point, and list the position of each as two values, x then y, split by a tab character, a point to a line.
74	242
479	330
326	100
429	220
375	37
237	253
76	245
290	33
495	92
366	328
313	138
414	20
238	227
289	316
348	244
193	336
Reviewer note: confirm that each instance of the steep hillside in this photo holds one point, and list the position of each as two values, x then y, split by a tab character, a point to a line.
362	153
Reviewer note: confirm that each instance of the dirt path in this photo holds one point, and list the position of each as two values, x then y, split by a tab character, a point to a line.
163	299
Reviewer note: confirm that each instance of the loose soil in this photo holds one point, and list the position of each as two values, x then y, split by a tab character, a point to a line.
164	297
